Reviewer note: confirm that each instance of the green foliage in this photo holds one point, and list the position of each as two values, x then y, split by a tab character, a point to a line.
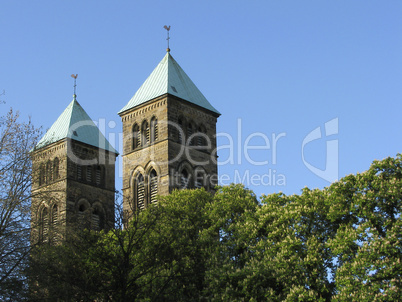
17	138
342	243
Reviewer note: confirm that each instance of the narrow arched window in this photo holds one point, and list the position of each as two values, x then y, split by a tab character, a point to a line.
154	129
97	219
98	175
89	173
184	179
83	220
54	215
180	131
145	133
136	137
201	136
199	181
56	169
153	186
189	134
42	174
79	172
139	192
49	172
44	226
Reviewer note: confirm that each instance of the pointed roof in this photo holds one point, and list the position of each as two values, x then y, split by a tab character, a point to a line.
75	123
169	77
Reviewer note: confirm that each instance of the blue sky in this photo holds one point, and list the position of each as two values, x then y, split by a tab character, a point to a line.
274	69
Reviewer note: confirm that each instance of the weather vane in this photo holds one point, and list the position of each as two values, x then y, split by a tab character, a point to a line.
74	76
168	38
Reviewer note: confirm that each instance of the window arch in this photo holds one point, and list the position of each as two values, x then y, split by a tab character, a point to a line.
136	137
79	172
42	173
98	175
180	130
89	173
44	225
56	169
54	217
54	220
83	209
201	136
97	217
48	171
139	192
190	132
199	180
185	178
154	129
153	186
144	133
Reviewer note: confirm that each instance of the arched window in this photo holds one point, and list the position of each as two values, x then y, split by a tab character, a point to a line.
89	173
189	134
154	129
180	131
144	133
139	192
98	175
79	172
199	181
83	219
201	137
49	172
185	179
56	169
55	216
44	225
42	173
136	137
153	187
97	219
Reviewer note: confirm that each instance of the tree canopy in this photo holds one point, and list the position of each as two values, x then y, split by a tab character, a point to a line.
17	138
341	243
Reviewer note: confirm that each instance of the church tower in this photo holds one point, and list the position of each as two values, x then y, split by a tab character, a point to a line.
73	177
169	137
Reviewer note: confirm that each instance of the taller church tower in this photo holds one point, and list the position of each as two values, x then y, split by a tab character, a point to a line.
169	137
73	177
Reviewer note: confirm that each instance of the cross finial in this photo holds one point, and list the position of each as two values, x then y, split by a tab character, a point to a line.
74	76
168	38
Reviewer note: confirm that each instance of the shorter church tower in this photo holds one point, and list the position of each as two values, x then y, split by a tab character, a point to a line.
73	181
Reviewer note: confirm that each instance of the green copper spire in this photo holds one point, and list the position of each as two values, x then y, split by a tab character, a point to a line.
74	123
169	77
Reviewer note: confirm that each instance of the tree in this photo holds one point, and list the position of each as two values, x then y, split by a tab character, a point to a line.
159	256
16	140
341	243
368	244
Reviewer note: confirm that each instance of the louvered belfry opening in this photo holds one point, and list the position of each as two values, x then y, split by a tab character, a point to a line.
154	129
96	220
44	234
136	137
98	176
140	192
184	179
145	133
153	186
56	174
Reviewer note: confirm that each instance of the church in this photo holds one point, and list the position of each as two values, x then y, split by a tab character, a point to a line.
169	143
